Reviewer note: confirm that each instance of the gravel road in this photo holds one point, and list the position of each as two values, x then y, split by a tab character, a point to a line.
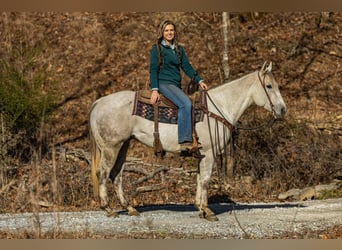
255	220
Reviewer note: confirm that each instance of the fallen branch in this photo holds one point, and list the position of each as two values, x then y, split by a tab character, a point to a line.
7	186
135	169
151	175
72	154
149	188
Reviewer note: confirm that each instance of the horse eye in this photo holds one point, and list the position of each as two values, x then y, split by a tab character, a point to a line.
269	86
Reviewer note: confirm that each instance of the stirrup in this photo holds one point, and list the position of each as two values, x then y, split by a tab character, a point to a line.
192	153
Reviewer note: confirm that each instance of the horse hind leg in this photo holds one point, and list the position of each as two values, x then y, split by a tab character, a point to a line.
116	177
119	192
108	161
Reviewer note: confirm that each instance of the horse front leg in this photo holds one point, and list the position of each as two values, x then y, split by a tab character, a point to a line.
203	179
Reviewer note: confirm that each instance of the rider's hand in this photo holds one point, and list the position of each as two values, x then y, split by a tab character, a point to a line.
203	86
155	96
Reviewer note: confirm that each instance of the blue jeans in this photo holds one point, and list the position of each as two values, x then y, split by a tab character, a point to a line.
182	101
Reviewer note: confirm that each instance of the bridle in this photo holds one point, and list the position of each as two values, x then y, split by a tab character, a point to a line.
262	82
228	124
233	129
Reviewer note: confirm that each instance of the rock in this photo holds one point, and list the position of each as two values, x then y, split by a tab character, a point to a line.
307	194
327	187
292	193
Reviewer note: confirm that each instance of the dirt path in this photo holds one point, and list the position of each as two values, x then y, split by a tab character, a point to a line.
255	220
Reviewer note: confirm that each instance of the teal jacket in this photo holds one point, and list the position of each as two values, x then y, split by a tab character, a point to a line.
169	70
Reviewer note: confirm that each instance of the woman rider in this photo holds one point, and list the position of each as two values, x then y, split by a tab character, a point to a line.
166	60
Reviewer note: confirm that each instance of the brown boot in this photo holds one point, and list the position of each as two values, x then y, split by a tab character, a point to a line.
186	146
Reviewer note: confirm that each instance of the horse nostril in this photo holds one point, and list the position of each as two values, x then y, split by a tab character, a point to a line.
283	110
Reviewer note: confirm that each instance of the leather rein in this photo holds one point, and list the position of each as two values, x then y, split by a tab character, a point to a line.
233	129
228	124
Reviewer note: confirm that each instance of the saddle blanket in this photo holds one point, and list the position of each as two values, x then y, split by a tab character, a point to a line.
167	114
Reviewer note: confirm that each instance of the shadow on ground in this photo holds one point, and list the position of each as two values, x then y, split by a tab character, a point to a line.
217	208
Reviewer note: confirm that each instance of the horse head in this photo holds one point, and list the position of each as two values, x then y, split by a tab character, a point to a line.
269	97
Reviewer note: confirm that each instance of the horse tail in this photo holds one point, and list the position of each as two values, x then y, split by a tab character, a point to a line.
95	159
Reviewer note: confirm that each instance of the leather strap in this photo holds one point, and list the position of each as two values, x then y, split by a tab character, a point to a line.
194	132
221	119
156	118
158	149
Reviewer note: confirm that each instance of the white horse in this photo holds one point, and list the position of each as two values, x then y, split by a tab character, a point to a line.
112	125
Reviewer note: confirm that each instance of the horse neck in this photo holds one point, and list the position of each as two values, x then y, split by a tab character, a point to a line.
233	98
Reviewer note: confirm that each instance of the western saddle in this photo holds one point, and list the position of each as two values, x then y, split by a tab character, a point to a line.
198	102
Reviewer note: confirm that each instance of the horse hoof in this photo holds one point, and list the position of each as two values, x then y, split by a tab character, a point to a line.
208	215
109	211
112	214
201	215
133	213
211	218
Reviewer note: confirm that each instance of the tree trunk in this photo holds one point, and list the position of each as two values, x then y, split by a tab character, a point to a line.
225	31
230	163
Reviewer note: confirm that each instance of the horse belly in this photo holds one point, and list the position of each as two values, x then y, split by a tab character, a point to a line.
143	131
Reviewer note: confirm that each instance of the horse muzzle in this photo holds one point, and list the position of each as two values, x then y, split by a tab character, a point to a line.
279	112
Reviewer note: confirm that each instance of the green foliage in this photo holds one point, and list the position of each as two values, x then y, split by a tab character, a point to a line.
26	97
330	194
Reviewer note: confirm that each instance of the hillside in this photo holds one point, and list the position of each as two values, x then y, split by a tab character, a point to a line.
90	55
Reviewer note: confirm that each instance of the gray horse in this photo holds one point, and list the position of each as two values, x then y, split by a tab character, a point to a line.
112	125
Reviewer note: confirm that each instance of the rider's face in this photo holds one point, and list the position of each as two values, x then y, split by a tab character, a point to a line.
169	33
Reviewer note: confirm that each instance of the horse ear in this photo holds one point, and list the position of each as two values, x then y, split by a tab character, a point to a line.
269	68
263	67
266	68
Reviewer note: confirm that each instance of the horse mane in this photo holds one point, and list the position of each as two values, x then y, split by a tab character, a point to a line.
233	81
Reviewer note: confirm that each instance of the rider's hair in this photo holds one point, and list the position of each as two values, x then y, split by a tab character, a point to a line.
162	27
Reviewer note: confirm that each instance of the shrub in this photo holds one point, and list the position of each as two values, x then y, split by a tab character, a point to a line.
26	99
289	154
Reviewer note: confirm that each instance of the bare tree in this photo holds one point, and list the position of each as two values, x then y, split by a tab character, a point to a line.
228	168
225	32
